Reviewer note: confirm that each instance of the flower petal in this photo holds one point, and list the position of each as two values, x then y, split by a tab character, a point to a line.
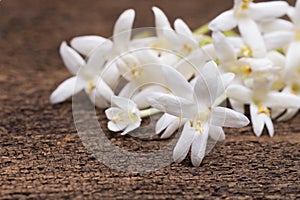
223	22
278	39
122	102
177	84
216	133
173	105
228	118
131	127
224	50
112	112
292	62
269	125
104	90
141	97
237	106
86	44
192	64
122	30
98	57
115	127
276	25
184	143
199	146
72	60
239	93
257	120
252	36
66	89
161	21
267	10
290	113
182	28
209	85
281	100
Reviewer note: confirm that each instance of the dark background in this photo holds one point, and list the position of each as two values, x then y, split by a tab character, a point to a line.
41	153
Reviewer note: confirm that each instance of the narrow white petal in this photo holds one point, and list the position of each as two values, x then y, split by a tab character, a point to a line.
269	125
104	90
122	102
292	61
72	60
278	39
115	127
141	97
122	30
184	143
252	36
290	113
66	89
224	50
267	10
131	127
276	25
281	100
173	105
216	133
111	75
164	121
171	129
223	22
257	120
296	16
199	146
182	28
276	112
112	112
161	21
237	106
128	90
177	84
228	118
209	85
192	64
86	44
239	93
98	100
98	57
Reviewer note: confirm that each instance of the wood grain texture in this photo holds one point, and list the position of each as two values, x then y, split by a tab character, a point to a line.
41	153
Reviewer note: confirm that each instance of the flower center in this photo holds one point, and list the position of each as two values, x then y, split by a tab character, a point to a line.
196	126
246	51
136	72
262	109
187	48
90	87
245	4
295	88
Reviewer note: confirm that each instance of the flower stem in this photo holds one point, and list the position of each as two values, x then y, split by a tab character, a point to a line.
148	112
202	30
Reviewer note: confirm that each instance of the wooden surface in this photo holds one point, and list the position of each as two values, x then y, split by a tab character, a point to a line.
41	153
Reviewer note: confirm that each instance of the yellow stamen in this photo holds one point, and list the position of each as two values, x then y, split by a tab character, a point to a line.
91	86
262	109
192	123
136	72
295	88
246	69
246	3
187	48
246	51
198	127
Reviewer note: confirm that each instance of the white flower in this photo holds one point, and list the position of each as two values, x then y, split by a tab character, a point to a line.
244	15
203	117
124	115
85	78
261	98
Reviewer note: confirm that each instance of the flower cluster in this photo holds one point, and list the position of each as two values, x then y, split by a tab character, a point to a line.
250	58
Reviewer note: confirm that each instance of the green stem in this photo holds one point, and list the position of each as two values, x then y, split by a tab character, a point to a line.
202	30
148	112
